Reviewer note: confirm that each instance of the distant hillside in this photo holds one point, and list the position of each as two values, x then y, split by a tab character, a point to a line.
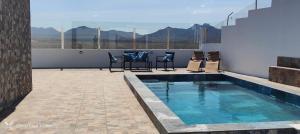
82	32
38	33
45	38
185	35
177	35
213	34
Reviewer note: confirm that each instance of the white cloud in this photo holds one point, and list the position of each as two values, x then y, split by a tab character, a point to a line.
201	11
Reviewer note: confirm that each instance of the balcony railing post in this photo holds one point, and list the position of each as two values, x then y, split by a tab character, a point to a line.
168	38
203	38
62	38
99	38
147	45
134	38
256	4
228	18
200	39
197	36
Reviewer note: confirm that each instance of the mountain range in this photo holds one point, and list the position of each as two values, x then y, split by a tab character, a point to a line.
175	34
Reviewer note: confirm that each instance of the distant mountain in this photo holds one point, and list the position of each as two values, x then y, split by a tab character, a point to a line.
90	33
185	35
113	34
213	34
191	34
82	32
44	33
176	34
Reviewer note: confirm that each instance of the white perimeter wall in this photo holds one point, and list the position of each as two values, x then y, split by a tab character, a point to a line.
254	43
71	58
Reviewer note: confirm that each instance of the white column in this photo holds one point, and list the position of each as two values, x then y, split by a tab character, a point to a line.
200	39
99	38
168	38
134	38
62	38
147	45
203	37
256	4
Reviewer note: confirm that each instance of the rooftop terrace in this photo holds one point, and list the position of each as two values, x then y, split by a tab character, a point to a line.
78	101
86	101
250	42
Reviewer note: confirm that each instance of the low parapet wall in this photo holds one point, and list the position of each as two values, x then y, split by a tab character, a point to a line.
285	75
98	58
288	62
286	72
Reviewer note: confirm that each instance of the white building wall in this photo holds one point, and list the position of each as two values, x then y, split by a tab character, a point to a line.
93	58
254	43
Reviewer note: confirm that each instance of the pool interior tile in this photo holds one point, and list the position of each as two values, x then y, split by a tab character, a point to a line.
256	88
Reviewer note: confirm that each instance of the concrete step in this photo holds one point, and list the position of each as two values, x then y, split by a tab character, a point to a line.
252	14
259	12
228	30
284	3
228	27
241	21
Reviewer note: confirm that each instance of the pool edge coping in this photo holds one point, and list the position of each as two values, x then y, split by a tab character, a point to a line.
166	121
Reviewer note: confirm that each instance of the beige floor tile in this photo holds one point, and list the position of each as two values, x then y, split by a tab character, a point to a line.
78	101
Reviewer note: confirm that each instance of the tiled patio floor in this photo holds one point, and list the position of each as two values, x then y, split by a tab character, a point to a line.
78	101
85	101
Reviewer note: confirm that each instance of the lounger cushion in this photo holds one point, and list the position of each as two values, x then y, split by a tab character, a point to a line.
173	55
198	55
212	66
129	57
142	56
194	66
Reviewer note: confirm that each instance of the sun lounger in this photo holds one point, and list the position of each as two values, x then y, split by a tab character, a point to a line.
196	62
213	62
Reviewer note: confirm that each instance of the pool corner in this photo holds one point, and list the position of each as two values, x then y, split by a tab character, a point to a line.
169	123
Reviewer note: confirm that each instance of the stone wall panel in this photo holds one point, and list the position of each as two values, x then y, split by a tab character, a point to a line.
15	51
284	75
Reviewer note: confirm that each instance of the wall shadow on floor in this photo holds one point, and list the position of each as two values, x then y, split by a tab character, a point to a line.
10	109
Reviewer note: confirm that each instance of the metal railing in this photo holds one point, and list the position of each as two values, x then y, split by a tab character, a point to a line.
85	35
232	16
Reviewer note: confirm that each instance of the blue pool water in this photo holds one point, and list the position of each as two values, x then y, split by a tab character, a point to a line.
213	102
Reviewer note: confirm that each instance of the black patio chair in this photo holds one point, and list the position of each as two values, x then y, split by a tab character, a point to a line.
115	60
167	58
135	56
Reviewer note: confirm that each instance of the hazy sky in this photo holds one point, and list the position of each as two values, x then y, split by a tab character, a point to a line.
58	13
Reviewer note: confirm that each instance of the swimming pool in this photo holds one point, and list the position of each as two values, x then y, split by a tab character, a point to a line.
215	102
212	102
